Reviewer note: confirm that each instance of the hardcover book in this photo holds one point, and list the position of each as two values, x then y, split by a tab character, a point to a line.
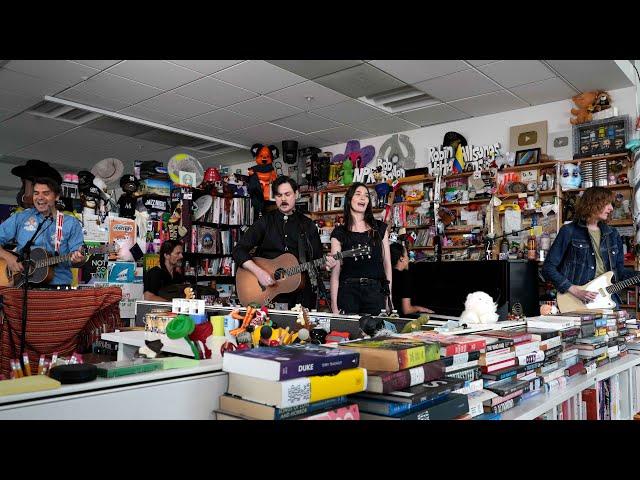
298	391
390	354
392	409
258	411
499	344
507	387
452	407
418	393
460	358
289	361
517	336
384	382
450	344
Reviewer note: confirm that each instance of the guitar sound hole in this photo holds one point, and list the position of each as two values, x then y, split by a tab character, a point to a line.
279	274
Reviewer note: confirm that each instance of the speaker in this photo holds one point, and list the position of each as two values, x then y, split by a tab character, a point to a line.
290	151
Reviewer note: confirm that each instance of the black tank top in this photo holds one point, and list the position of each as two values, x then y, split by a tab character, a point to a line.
363	267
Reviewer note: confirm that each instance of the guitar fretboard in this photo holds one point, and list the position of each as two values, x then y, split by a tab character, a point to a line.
47	262
303	267
623	284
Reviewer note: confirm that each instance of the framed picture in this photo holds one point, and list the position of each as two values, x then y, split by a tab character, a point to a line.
560	145
528	157
528	136
601	137
338	202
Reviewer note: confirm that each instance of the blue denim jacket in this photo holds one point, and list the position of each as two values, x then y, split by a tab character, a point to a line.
571	259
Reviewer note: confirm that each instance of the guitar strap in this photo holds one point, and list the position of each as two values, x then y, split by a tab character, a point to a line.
59	223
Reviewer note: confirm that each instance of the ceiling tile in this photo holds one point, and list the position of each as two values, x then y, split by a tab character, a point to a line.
136	146
177	105
478	63
342	134
226	119
156	73
26	129
312	140
434	114
351	111
259	76
264	108
118	88
510	73
62	71
315	68
86	139
5	114
214	92
206	66
296	95
360	81
93	100
16	82
457	85
265	133
412	71
139	111
589	75
192	126
546	91
306	122
385	125
99	64
487	104
16	102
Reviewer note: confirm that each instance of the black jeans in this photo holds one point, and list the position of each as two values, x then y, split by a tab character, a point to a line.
357	298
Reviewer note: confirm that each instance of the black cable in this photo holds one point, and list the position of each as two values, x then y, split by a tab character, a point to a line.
634	67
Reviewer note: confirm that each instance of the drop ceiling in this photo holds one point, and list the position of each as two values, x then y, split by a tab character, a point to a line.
316	102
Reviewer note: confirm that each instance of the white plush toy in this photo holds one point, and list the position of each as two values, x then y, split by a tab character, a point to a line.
479	308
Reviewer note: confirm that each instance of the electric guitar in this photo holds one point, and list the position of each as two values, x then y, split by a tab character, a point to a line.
603	287
41	265
287	272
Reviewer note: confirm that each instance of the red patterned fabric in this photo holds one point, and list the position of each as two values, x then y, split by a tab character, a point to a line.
57	321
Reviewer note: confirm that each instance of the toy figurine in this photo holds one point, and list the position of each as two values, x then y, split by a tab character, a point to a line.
347	172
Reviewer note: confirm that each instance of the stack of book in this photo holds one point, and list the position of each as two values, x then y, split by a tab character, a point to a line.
407	381
306	382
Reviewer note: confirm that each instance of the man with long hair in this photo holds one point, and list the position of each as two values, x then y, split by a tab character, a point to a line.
168	273
587	247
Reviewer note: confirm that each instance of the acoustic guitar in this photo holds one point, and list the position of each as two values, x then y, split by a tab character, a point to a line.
603	287
286	271
41	265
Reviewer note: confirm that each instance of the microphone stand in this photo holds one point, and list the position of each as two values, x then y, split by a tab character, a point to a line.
26	261
489	241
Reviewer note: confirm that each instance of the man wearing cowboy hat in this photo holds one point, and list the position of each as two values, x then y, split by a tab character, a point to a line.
59	233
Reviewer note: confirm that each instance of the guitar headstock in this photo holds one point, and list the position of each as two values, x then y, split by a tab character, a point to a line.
358	252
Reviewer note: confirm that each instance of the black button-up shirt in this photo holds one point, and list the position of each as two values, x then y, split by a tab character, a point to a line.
273	236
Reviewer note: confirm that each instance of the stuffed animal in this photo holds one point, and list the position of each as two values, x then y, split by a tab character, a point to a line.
264	157
601	102
584	102
479	308
347	172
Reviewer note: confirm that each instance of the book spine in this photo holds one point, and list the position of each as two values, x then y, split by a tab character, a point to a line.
501	375
556	384
313	389
411	357
501	399
550	343
284	413
498	345
498	366
320	366
574	369
470	374
502	407
470	387
457	348
455	368
530	358
447	410
526	348
348	412
496	358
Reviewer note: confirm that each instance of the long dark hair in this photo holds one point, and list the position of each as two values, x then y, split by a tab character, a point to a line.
166	249
368	213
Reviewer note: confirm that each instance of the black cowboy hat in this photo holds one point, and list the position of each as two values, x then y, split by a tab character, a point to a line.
36	168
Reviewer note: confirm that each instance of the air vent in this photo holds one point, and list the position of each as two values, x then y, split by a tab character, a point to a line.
211	147
64	113
400	99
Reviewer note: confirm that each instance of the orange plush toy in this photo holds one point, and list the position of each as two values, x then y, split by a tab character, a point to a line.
264	157
584	102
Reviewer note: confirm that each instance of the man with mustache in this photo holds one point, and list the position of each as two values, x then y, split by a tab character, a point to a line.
280	231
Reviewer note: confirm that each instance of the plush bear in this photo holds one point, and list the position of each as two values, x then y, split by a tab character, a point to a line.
264	157
479	308
584	102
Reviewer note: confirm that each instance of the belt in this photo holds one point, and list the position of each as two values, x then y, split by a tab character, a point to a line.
361	281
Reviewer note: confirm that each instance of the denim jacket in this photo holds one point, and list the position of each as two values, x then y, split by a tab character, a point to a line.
571	259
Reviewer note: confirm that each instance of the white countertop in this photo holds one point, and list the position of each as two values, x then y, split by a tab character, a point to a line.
205	366
138	337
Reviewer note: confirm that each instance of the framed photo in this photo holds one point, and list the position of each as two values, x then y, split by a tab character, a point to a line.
338	202
528	157
601	137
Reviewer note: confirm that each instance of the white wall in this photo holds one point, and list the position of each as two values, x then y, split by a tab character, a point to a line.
489	129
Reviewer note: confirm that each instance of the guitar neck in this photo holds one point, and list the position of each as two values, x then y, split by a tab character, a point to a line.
615	288
54	260
303	267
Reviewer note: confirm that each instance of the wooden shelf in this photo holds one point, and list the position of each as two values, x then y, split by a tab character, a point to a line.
337	212
461	229
418	226
410	202
515	195
589	159
627	305
533	166
620	186
420	248
621	223
453	204
462	247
